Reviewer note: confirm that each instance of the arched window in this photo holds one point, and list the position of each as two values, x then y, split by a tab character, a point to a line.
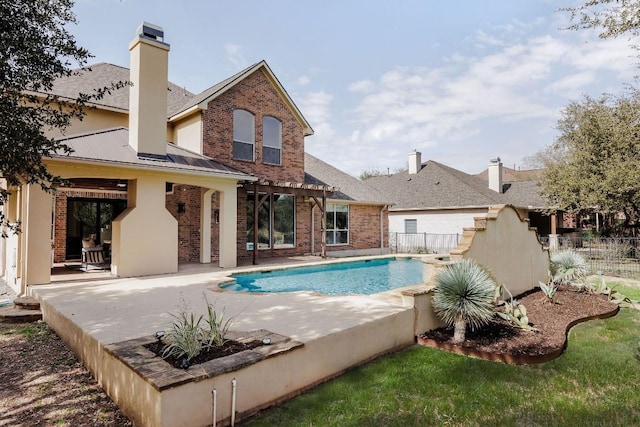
243	135
271	141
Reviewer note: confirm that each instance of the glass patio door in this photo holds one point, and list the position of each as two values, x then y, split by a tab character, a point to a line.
90	219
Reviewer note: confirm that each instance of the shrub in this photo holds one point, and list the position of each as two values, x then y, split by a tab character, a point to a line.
464	294
567	267
189	335
185	337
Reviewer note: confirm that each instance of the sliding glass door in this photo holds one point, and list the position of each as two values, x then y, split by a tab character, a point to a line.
90	219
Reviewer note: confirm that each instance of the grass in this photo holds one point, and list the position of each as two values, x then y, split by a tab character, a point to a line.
594	383
628	288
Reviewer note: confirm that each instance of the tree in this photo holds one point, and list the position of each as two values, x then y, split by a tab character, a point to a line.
612	18
595	162
35	50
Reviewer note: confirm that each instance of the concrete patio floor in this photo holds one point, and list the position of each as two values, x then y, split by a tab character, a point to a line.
336	332
114	309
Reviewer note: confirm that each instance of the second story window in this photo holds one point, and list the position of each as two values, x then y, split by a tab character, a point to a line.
243	135
271	141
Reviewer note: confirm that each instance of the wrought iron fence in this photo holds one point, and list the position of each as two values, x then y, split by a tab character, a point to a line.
619	256
425	243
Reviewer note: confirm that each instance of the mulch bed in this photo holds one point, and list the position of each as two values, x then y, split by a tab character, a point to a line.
229	347
501	341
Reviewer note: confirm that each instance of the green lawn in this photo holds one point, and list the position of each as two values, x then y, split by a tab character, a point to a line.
595	383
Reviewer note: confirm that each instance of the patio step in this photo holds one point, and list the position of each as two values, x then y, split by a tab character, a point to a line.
26	303
23	310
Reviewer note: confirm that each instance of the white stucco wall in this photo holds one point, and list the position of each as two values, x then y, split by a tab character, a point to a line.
188	133
435	222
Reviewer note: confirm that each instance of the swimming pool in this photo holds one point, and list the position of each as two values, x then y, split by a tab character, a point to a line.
360	277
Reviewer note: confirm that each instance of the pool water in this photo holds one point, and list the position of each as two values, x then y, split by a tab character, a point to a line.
360	277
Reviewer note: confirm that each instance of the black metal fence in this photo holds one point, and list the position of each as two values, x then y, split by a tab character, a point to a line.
422	243
619	256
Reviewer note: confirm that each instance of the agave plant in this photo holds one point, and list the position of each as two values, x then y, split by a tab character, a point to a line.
549	290
567	267
464	295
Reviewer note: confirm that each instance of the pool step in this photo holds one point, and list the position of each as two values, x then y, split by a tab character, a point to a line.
23	310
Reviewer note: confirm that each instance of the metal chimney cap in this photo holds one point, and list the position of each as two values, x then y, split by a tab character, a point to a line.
496	160
152	31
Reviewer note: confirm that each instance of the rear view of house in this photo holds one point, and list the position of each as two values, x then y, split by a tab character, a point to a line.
160	176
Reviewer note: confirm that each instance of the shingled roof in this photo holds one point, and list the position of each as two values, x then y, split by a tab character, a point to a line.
97	76
111	146
346	187
88	79
437	186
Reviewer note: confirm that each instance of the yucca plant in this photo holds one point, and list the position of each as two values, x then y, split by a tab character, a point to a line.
567	267
185	337
464	295
217	328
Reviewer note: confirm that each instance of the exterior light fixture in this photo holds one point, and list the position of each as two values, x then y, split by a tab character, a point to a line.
159	335
266	341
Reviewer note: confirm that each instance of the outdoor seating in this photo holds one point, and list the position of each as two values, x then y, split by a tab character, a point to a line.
94	257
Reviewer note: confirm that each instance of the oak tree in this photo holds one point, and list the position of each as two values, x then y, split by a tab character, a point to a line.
35	49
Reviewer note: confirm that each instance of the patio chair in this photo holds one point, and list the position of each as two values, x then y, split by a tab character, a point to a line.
95	257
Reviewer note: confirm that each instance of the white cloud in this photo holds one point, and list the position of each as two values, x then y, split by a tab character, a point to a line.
235	55
362	86
501	102
303	80
317	111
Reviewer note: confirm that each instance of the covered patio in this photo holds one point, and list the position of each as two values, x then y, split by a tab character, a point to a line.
144	237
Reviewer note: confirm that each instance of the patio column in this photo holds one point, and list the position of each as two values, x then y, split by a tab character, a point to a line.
145	235
36	236
205	225
228	226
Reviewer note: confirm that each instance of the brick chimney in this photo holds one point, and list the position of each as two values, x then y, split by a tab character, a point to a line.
495	175
415	162
148	97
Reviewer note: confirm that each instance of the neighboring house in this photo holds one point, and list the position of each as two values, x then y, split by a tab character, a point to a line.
435	199
162	176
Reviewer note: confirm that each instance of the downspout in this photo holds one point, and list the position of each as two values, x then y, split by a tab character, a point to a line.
382	229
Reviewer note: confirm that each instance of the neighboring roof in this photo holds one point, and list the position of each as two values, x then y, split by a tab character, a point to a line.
111	146
97	76
437	186
346	187
203	98
513	175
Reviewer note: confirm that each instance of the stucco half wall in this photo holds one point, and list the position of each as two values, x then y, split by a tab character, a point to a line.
504	243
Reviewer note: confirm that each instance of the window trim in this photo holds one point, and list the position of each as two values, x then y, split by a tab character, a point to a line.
266	145
335	230
413	221
239	140
272	243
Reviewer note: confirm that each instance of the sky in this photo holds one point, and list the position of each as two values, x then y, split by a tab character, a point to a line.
462	82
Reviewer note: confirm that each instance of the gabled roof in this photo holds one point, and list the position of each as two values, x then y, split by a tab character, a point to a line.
111	146
97	76
201	100
513	175
346	187
437	186
179	100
